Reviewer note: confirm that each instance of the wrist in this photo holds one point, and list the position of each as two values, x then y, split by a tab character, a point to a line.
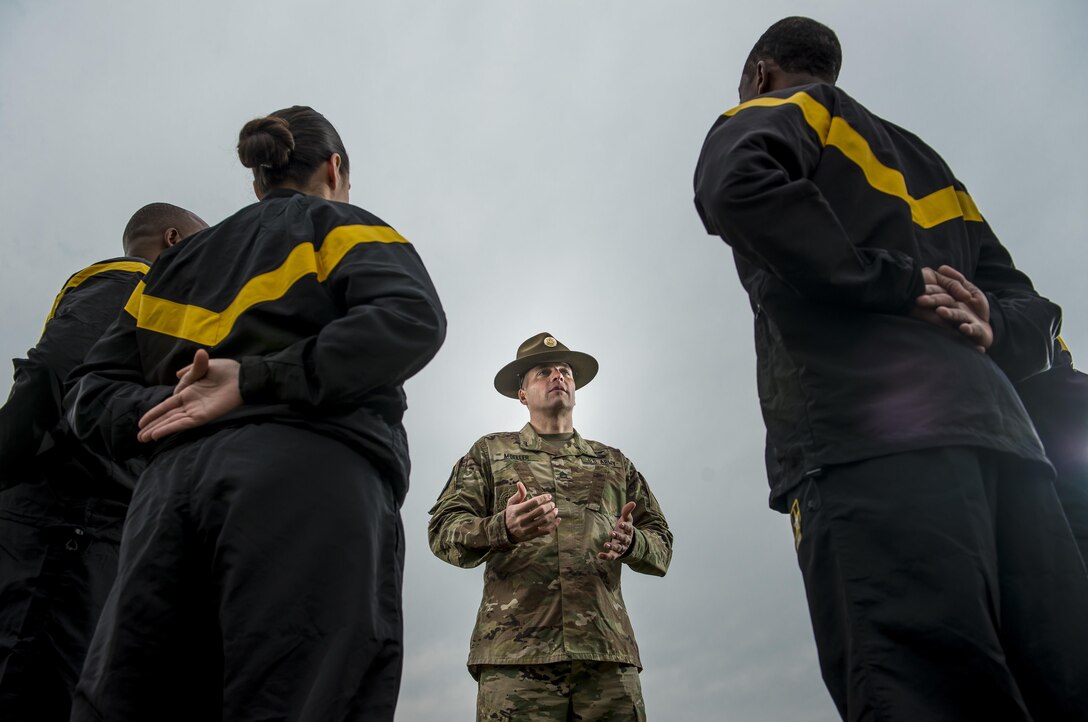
503	539
254	380
630	550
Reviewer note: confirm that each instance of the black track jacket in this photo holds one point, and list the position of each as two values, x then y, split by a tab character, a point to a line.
327	308
33	442
831	213
1058	403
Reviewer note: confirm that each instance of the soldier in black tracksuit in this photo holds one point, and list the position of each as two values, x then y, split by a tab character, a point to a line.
942	581
261	567
1058	403
62	504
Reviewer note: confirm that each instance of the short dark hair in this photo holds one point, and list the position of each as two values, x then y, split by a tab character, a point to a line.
153	219
287	145
798	45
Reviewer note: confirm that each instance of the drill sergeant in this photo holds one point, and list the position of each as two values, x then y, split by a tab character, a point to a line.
554	517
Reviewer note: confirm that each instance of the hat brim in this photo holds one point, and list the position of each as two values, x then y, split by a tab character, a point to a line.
581	364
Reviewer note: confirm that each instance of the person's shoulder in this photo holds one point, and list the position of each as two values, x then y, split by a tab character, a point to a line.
602	449
337	213
128	269
100	282
814	105
491	445
499	438
117	264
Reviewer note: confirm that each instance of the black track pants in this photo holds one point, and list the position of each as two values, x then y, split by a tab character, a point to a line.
944	585
260	579
58	558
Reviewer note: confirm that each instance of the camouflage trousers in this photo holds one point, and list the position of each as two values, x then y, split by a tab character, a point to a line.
560	692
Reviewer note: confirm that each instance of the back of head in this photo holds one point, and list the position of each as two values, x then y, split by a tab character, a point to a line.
799	45
156	227
285	147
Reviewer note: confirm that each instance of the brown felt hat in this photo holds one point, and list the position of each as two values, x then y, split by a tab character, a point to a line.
541	349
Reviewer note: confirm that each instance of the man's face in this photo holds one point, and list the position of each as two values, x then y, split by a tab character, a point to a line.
548	387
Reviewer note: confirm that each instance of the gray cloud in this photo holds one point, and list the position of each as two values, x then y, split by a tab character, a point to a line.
539	155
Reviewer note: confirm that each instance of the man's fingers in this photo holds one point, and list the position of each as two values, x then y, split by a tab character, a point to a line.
957	284
974	330
545	527
954	288
528	505
950	272
933	300
954	314
541	512
627	510
519	496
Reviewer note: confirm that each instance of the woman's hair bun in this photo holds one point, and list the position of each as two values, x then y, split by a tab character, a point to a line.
265	143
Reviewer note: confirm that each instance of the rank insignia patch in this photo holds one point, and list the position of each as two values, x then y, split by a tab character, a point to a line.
795	522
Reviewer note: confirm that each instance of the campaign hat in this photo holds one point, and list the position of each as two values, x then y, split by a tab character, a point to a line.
540	349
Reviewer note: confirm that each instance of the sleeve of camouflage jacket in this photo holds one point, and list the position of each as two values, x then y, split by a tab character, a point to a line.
651	549
465	529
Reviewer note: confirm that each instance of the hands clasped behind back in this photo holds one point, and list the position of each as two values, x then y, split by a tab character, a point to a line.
207	389
952	301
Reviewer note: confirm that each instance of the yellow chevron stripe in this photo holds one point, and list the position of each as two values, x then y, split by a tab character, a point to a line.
927	212
1061	342
77	279
207	328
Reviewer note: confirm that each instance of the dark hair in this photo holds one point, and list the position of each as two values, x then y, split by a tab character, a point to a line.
154	218
287	145
799	45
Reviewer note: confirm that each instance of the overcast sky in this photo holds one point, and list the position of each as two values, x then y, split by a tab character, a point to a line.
539	155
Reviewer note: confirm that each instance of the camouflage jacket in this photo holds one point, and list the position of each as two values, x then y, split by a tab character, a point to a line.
549	599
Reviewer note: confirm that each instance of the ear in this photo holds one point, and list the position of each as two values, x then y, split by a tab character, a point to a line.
522	398
332	172
171	236
762	77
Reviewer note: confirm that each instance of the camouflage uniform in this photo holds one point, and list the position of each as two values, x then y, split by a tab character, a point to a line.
607	692
549	599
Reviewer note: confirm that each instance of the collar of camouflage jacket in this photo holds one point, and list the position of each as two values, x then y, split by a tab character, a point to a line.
575	446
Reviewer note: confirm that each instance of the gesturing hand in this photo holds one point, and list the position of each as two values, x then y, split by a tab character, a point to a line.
206	390
951	300
529	519
622	534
